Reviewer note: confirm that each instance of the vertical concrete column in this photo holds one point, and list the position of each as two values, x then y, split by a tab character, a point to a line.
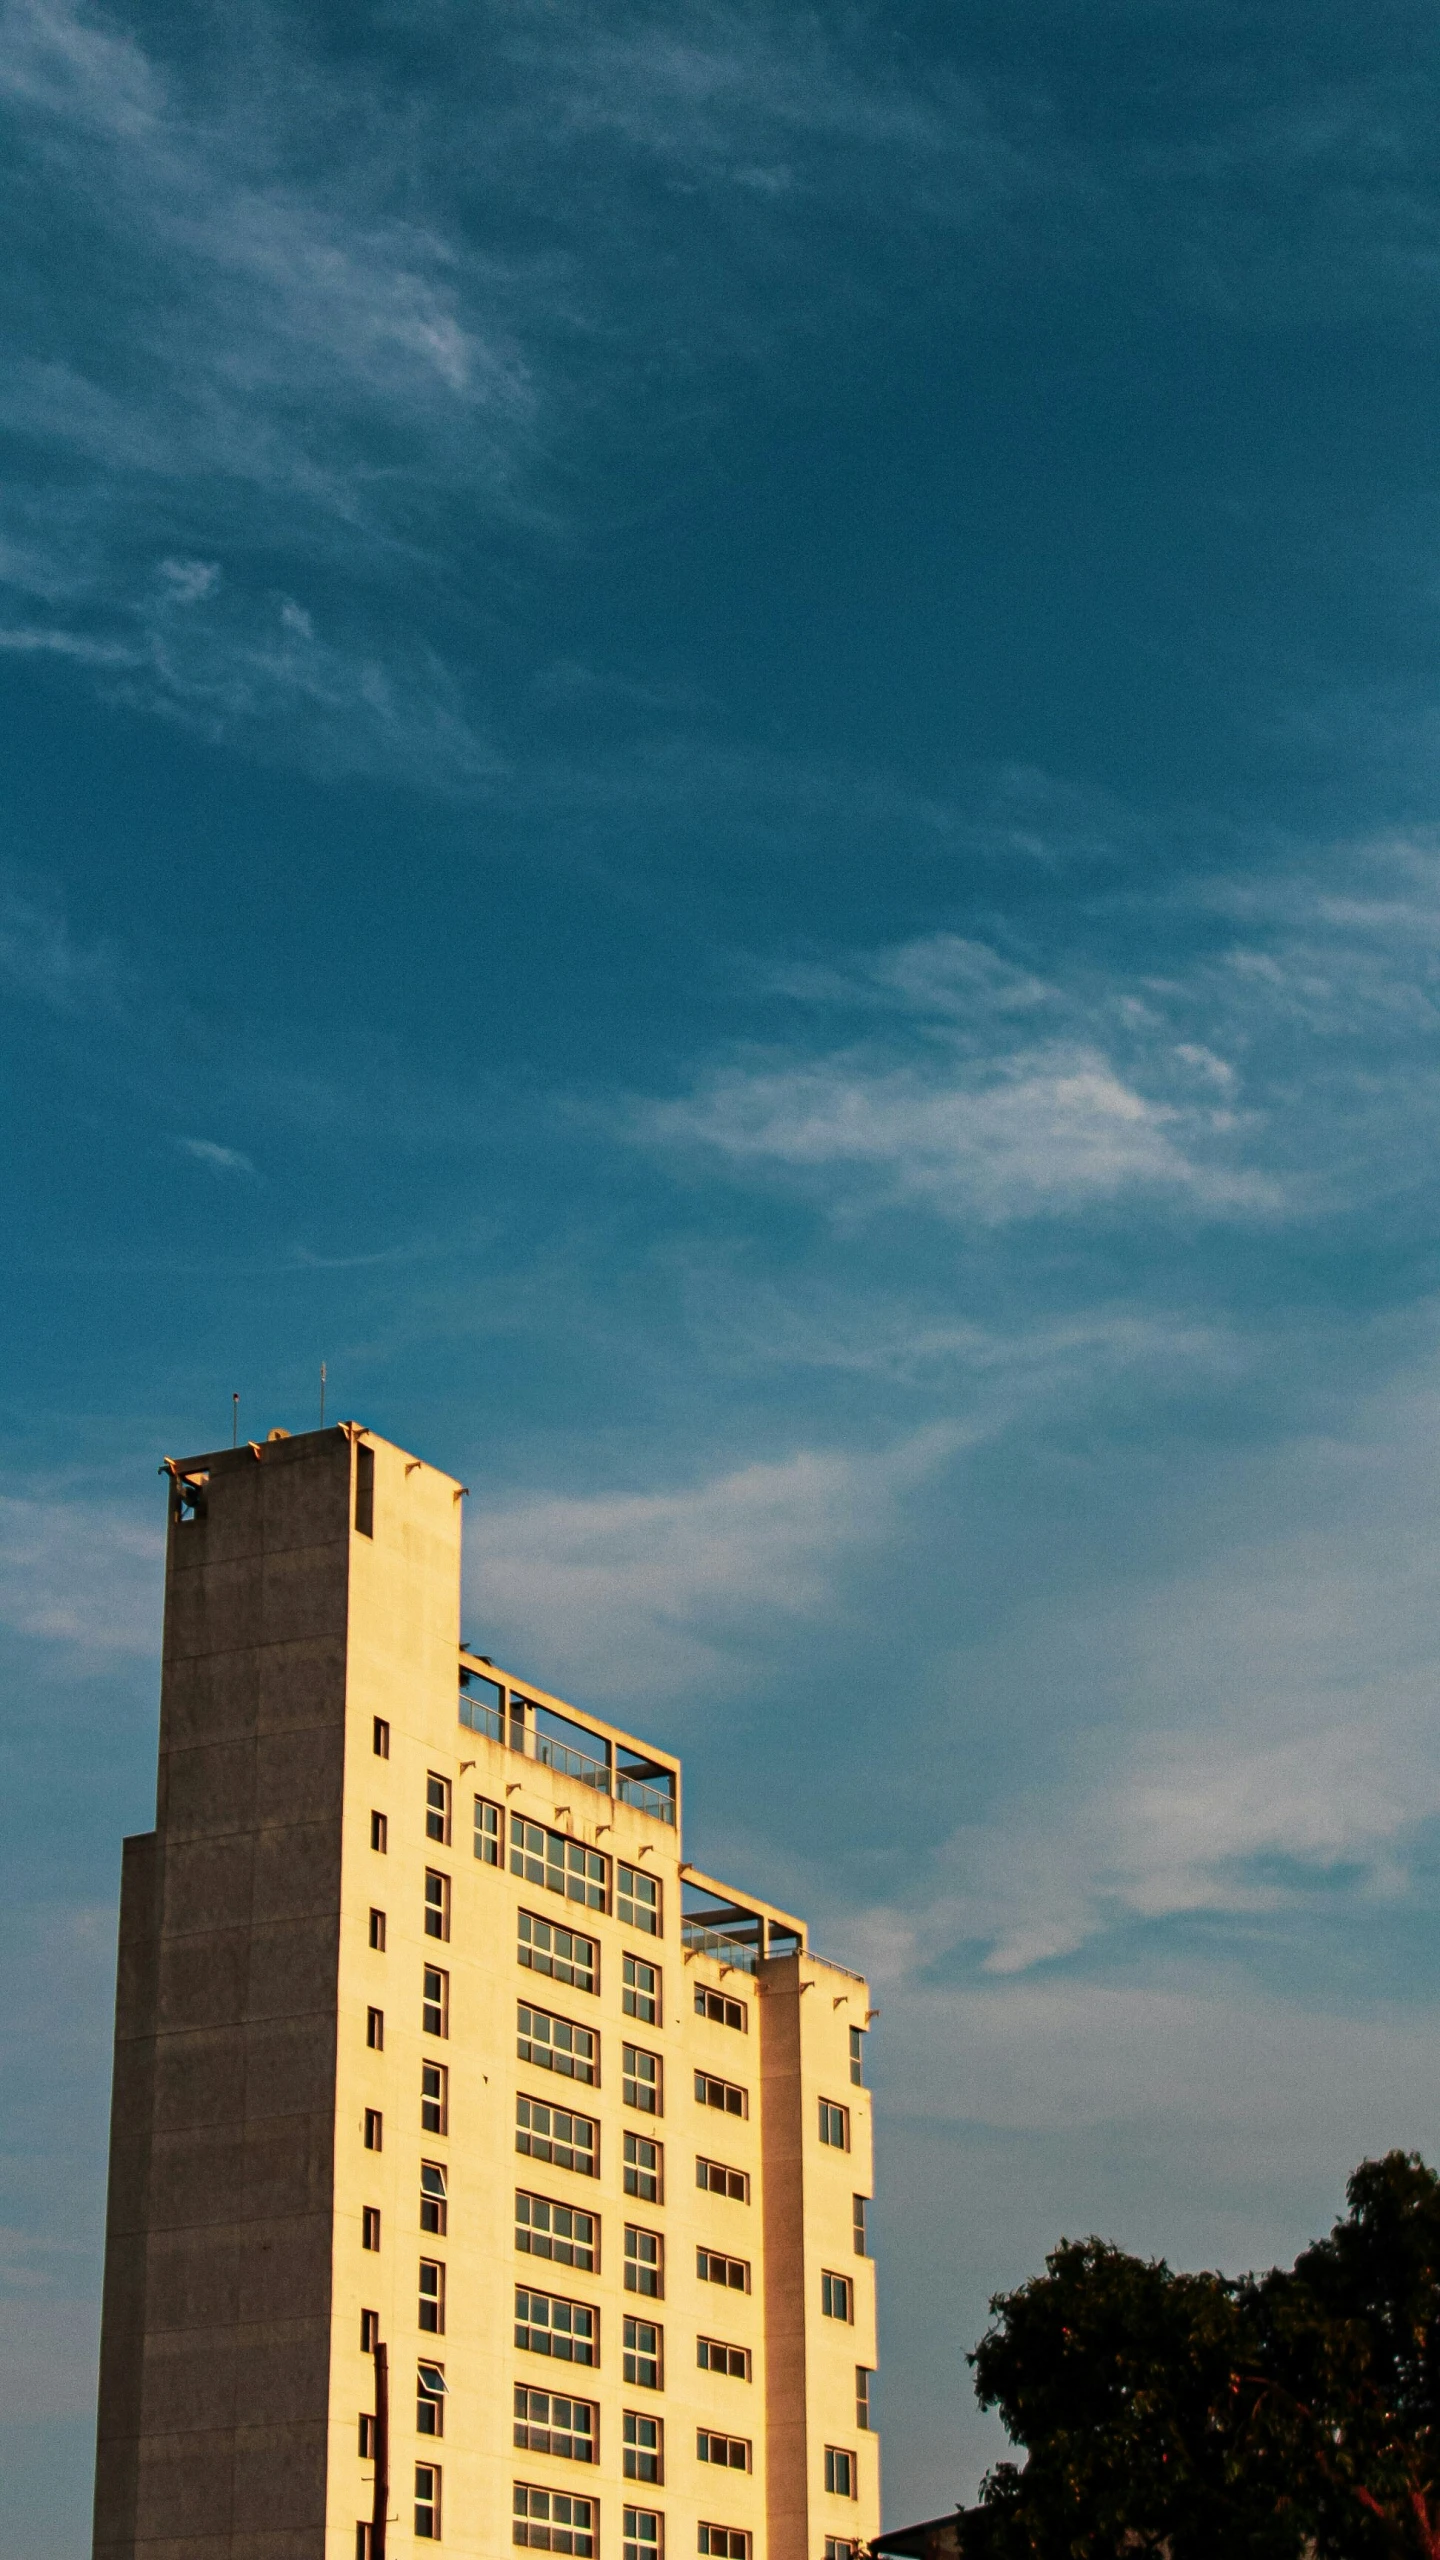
783	2177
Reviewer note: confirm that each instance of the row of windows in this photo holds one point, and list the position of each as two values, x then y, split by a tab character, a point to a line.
557	2520
541	1855
712	2355
571	2141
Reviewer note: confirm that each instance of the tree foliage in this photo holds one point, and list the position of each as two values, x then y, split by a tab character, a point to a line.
1288	2416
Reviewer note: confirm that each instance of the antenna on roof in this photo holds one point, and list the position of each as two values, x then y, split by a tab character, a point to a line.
235	1419
322	1395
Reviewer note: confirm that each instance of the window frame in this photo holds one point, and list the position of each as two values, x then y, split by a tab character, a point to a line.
370	2227
830	2115
437	1906
708	2081
428	2505
642	2001
435	2005
434	2202
651	2098
428	2399
576	2331
528	2425
583	1872
642	2266
835	2455
636	2169
553	2252
434	2103
722	2541
645	1911
864	2399
551	1961
634	2424
431	2299
488	1834
707	2437
573	2053
860	2224
636	2353
717	2006
380	1737
833	2286
552	2530
635	2545
375	2030
707	2184
439	1808
379	1832
377	1930
857	2057
374	2129
526	2136
707	2349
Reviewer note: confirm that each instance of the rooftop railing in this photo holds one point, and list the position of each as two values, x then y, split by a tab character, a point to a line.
519	1734
700	1941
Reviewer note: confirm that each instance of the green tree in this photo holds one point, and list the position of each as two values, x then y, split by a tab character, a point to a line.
1270	2417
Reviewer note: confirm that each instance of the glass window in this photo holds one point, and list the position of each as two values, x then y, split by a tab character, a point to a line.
487	1832
434	2098
375	2030
365	1490
379	1833
637	1900
713	2268
435	2002
641	1995
722	2181
644	2447
857	2057
834	2125
434	2200
547	2422
644	2535
374	2129
722	2542
839	2472
644	2261
644	2354
432	2297
380	1738
482	1707
545	2229
554	2134
427	2502
556	2044
837	2297
377	1931
715	2355
861	2224
719	2006
562	1953
553	2520
437	1904
369	2332
864	2377
731	2453
370	2226
437	1809
641	2084
549	2325
838	2549
430	2400
724	2094
564	1865
644	2169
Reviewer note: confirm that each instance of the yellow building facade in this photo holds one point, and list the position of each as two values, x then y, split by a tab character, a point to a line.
481	2173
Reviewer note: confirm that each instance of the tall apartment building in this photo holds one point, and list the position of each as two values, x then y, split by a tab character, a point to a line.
481	2174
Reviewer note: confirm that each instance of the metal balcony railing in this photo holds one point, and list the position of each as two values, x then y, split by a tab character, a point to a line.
480	1717
700	1941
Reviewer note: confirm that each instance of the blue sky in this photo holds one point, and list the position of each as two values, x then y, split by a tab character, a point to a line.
720	763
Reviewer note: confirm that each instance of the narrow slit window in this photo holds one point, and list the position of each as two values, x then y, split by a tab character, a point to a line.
379	1833
434	2098
432	2297
437	1809
377	1931
370	2226
434	2198
375	2030
381	1738
365	1491
430	2395
374	2129
437	1904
